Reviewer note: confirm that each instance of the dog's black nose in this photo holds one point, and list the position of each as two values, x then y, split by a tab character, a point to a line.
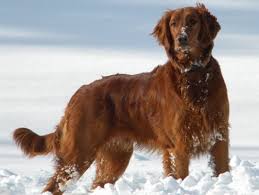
182	39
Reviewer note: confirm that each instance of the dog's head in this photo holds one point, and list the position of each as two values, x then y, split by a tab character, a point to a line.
187	35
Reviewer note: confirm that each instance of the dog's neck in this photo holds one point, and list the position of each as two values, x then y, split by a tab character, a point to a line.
193	86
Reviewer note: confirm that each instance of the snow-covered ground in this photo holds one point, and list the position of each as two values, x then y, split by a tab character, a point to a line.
49	48
143	176
37	83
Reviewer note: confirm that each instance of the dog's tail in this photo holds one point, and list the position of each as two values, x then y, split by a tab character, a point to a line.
33	144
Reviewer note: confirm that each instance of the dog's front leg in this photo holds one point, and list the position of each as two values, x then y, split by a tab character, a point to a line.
219	157
176	163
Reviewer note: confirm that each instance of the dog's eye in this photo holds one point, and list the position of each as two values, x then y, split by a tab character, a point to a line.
193	21
173	23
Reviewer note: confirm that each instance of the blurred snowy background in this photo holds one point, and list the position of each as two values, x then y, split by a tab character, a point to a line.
49	48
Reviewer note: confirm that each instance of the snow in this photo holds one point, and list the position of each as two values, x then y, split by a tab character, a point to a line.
32	89
47	55
242	179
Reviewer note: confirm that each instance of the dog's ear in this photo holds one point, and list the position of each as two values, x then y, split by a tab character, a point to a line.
163	34
209	25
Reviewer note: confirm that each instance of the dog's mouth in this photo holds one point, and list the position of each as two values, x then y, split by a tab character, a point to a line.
183	49
192	68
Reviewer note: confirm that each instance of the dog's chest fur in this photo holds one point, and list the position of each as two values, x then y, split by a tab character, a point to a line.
196	121
197	132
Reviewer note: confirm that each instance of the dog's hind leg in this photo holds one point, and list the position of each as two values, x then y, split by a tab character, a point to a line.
87	122
74	160
111	161
67	173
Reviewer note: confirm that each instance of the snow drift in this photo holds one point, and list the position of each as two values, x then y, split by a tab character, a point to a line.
242	179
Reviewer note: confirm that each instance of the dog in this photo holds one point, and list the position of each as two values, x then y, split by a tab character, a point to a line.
179	109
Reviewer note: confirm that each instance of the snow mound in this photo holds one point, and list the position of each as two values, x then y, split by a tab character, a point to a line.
242	179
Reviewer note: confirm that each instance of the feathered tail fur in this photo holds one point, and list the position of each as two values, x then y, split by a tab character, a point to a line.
33	144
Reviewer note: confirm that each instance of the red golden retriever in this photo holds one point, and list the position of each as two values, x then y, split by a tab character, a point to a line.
180	108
